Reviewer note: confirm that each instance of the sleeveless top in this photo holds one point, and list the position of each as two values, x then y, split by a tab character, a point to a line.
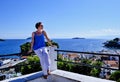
39	41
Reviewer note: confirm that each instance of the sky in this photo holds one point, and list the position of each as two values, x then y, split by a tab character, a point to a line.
61	18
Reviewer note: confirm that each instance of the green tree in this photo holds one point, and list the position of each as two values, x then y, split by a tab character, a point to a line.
86	61
76	68
95	72
53	43
118	80
115	76
97	63
33	65
25	48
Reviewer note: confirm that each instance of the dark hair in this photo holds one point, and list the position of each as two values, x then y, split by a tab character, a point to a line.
38	24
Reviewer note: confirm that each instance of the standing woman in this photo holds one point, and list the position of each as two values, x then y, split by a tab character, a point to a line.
39	47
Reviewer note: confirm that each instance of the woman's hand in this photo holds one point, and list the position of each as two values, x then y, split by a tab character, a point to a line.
52	46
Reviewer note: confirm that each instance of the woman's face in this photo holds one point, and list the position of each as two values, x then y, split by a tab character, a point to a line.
40	27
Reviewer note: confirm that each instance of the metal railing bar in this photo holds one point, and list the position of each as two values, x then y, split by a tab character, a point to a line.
94	53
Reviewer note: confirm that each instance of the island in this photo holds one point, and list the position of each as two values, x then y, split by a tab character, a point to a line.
115	43
78	38
2	40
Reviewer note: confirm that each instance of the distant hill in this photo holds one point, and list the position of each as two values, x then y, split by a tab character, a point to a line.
78	38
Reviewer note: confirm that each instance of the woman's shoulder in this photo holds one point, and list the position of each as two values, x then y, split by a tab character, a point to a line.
43	31
33	33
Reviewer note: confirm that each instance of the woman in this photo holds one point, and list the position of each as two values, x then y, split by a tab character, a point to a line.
38	45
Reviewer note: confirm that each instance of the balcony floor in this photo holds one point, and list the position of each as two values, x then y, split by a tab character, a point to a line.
64	76
53	78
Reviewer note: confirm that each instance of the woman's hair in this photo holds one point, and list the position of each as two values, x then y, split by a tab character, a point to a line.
38	24
42	26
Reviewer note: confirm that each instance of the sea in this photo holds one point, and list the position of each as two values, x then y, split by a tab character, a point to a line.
11	46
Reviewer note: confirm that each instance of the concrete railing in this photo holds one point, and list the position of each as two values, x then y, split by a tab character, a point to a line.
53	57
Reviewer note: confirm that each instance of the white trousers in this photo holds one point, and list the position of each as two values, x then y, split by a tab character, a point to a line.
43	55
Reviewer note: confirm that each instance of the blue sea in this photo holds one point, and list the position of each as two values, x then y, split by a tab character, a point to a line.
11	46
81	44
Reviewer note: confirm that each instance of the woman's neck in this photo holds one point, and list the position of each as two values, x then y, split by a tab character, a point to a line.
39	30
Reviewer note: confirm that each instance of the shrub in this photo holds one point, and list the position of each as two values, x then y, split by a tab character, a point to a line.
95	72
33	65
118	80
115	76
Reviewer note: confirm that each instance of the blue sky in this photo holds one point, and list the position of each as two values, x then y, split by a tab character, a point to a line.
61	18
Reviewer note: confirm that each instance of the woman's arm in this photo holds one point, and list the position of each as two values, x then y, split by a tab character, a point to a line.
49	41
32	42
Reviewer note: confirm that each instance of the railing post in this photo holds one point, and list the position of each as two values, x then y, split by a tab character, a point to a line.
53	57
119	62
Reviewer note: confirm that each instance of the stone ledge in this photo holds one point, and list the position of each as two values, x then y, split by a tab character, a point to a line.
78	77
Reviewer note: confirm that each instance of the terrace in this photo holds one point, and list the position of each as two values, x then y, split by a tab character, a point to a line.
58	75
